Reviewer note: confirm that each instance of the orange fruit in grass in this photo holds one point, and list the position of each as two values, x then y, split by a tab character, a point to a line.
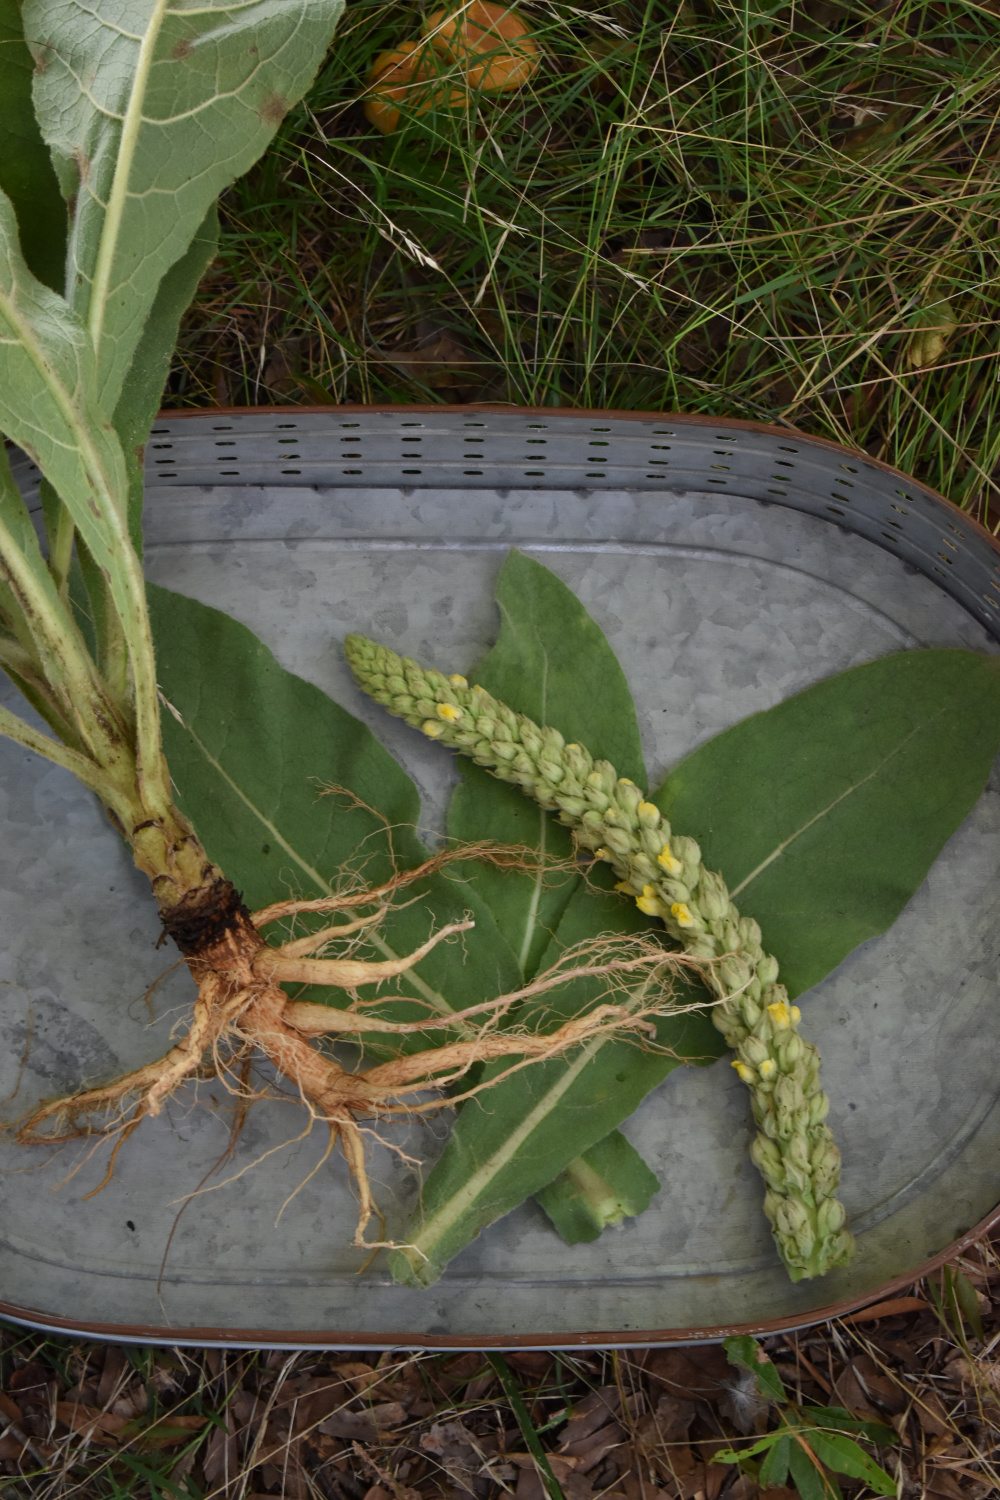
408	75
492	44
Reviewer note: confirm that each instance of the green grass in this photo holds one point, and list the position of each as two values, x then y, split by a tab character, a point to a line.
723	208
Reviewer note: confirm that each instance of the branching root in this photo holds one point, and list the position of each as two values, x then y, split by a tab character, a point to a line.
241	1008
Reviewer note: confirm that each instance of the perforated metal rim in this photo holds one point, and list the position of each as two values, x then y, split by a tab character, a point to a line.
702	454
488	447
597	1339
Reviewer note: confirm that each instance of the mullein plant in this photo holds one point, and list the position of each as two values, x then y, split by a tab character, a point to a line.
663	873
178	101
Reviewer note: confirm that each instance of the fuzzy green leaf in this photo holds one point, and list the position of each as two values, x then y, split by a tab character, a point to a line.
48	407
143	389
26	173
600	1188
251	760
799	805
825	813
552	662
150	111
543	1118
43	652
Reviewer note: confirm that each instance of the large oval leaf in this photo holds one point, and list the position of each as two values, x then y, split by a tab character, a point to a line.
552	662
251	753
150	110
825	813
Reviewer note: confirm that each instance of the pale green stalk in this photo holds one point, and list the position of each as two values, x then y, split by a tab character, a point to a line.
794	1151
61	656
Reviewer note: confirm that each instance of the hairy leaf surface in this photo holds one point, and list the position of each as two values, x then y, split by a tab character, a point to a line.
825	813
48	407
601	1187
143	390
553	663
256	752
151	109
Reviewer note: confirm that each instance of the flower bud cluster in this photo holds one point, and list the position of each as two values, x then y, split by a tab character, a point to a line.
795	1151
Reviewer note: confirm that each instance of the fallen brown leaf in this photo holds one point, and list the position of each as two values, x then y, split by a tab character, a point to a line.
115	1365
695	1371
9	1410
931	1413
96	1426
166	1433
31	1384
221	1460
890	1309
351	1426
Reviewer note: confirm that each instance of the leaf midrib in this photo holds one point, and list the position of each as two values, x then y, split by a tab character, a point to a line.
781	848
114	213
461	1201
433	996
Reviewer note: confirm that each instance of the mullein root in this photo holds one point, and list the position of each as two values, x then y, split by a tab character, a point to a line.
241	1008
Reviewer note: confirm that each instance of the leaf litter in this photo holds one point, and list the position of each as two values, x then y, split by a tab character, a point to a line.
89	1419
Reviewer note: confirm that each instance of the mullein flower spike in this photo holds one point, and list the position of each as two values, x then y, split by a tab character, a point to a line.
794	1151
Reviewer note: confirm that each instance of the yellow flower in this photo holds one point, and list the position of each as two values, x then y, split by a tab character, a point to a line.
681	915
672	865
448	711
796	1015
779	1015
602	853
457	680
625	888
768	1068
432	728
650	904
747	1074
649	812
625	781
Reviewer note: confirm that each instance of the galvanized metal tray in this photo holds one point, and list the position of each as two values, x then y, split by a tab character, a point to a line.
730	565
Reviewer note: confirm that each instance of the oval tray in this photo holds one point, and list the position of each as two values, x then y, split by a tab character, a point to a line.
730	565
